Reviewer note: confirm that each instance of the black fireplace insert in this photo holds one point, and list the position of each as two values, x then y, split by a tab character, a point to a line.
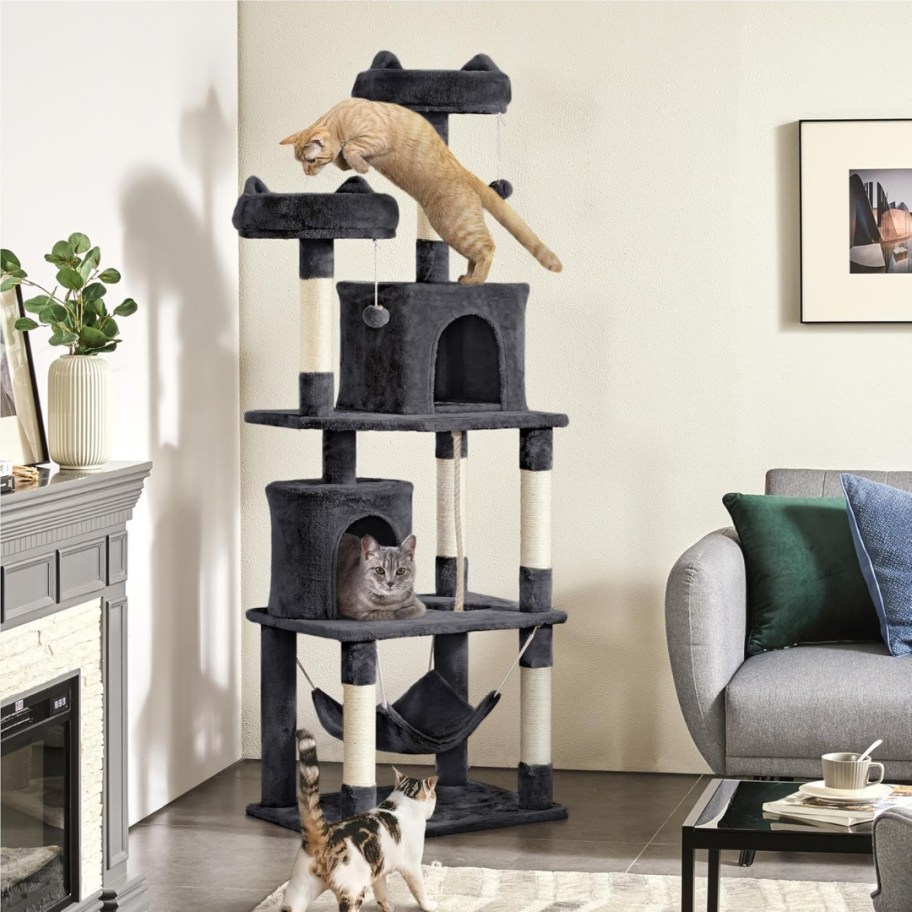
39	800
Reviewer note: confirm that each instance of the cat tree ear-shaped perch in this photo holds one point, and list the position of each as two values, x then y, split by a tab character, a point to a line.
317	220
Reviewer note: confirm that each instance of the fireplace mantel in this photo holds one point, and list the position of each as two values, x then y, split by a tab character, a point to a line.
64	543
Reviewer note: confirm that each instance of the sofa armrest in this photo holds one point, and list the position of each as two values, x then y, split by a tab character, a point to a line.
893	860
706	628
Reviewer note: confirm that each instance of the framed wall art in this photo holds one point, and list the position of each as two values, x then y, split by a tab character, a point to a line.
856	221
22	439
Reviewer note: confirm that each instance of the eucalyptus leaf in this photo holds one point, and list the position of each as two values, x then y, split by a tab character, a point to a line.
96	308
56	260
68	338
89	318
109	327
8	260
46	315
110	346
57	340
93	256
61	314
85	270
9	282
70	278
128	307
37	304
64	250
92	338
110	275
24	324
93	292
19	273
79	242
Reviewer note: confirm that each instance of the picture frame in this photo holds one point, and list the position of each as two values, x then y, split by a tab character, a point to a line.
855	180
22	435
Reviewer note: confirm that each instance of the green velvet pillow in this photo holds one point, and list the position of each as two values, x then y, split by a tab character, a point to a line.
804	584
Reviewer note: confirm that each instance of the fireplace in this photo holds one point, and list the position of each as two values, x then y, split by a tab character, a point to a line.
39	802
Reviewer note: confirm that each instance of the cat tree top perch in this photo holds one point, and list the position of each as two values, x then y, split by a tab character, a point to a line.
450	359
478	88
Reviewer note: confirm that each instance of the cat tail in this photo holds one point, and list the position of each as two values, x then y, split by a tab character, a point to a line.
313	823
508	217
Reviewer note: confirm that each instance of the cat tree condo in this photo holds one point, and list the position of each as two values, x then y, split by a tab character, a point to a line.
449	360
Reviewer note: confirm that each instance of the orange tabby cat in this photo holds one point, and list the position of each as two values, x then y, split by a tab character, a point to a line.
405	148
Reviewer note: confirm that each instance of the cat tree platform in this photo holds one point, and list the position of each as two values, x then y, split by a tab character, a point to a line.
460	809
441	421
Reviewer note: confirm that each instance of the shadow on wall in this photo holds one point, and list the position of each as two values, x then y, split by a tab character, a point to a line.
189	719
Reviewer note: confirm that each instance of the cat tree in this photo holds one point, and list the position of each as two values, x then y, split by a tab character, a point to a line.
449	360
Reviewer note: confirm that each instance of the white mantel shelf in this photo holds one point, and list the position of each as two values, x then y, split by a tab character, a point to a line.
63	542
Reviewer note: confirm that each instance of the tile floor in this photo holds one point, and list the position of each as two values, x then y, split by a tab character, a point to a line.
203	853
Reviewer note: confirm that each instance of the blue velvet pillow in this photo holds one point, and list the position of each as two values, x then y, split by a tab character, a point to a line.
880	518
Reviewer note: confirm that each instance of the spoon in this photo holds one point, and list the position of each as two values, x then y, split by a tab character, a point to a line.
867	753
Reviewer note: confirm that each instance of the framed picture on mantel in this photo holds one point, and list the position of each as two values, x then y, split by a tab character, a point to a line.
856	221
22	439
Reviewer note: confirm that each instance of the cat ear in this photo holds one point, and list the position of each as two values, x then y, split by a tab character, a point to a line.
429	784
408	546
399	776
369	544
290	140
316	141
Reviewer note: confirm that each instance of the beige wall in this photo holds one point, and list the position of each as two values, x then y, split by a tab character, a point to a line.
119	120
654	147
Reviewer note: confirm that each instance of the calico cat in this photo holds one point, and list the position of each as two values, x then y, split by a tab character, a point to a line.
405	148
376	583
349	856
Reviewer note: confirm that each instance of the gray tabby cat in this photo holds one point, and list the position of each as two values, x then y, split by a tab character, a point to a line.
374	582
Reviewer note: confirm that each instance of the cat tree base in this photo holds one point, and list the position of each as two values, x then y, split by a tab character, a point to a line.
460	809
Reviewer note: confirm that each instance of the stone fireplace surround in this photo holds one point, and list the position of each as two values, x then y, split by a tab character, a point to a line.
64	609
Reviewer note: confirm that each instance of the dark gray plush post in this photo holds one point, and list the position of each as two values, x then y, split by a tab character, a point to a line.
340	449
432	255
451	660
278	699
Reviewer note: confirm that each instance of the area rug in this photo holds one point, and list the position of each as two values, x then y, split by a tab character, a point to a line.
487	890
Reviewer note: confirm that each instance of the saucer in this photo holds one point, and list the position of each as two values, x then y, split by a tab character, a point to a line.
819	790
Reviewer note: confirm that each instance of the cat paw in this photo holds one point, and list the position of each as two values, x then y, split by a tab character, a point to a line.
470	280
430	905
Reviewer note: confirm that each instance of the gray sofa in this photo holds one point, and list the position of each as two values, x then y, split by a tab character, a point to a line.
775	713
893	859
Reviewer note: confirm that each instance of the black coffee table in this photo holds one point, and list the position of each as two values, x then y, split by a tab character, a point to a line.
729	815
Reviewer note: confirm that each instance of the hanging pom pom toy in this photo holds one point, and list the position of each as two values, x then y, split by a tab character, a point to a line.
375	315
503	188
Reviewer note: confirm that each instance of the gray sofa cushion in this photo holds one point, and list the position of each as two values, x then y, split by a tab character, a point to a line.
807	700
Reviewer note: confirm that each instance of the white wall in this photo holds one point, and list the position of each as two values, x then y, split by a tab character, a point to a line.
119	120
654	147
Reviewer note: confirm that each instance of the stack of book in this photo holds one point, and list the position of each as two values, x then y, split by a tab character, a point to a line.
798	810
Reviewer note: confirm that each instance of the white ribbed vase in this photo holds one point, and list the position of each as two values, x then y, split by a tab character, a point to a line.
79	411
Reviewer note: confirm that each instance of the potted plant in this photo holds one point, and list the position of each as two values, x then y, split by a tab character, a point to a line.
75	313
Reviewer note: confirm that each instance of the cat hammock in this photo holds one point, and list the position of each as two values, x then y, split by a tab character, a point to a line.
429	718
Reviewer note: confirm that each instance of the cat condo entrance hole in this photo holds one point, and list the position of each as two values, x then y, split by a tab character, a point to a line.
467	367
379	528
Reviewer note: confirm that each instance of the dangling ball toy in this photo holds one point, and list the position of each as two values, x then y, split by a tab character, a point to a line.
375	315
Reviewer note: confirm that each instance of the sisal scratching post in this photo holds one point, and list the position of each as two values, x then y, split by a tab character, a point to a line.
447	544
315	271
535	769
359	728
